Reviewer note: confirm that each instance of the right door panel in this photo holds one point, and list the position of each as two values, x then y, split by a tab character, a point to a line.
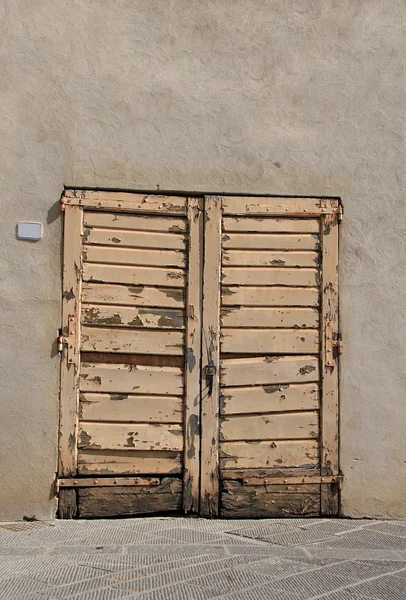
273	458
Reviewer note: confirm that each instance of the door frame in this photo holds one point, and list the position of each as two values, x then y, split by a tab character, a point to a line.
202	348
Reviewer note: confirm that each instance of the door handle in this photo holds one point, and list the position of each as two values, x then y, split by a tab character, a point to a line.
209	371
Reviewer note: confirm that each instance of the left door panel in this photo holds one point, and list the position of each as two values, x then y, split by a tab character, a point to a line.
130	378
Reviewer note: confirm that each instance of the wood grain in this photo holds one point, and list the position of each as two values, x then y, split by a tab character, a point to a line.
270	398
330	363
102	339
135	317
244	501
270	276
302	425
130	436
151	223
269	296
134	239
135	276
269	370
128	462
144	257
130	409
209	484
133	295
129	501
279	454
247	316
126	202
268	258
239	205
71	300
191	483
131	379
272	341
270	225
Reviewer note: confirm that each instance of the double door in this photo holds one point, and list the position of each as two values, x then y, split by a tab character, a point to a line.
199	367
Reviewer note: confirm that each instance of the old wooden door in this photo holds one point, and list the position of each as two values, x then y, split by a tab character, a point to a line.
198	365
269	421
130	377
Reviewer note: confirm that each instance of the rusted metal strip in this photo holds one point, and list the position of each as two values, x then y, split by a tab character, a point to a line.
292	480
106	482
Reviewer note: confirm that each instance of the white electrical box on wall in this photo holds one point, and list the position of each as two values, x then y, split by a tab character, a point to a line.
28	230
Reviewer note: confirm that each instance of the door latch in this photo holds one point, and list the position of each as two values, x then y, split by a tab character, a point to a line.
209	372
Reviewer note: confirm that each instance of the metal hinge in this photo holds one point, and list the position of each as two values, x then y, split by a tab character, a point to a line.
68	342
338	344
334	345
340	213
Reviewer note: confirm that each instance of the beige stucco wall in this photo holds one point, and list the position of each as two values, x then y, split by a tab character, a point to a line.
267	96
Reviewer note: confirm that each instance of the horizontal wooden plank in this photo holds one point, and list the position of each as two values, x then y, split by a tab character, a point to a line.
244	501
269	258
130	436
134	239
268	242
243	316
124	316
98	339
128	501
126	462
270	225
131	379
134	295
269	398
270	276
274	472
127	202
129	408
137	223
269	370
239	205
133	275
274	341
269	296
134	256
266	455
285	426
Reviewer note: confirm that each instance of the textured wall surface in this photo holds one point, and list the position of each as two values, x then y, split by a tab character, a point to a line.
268	96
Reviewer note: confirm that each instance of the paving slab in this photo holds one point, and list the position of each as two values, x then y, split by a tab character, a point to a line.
198	559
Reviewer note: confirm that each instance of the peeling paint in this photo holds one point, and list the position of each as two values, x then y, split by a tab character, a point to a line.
190	359
175	294
192	431
71	442
271	389
136	290
307	369
175	229
68	294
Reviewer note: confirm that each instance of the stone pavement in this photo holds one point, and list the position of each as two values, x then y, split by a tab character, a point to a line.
194	559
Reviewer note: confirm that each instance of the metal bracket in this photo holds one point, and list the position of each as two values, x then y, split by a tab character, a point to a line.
209	372
294	480
67	341
105	482
333	342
